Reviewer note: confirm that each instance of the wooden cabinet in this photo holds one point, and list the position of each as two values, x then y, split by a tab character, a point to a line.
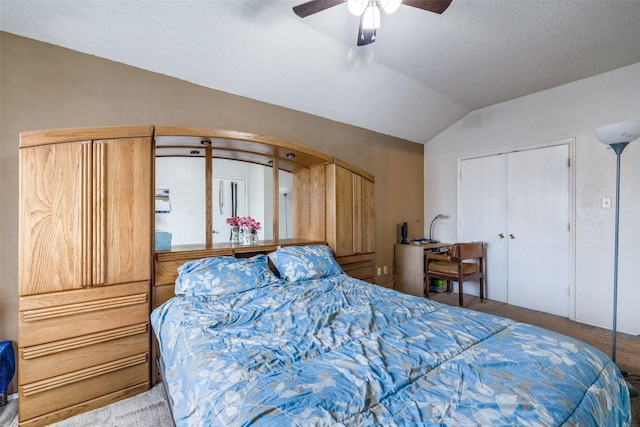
350	226
86	248
409	262
84	269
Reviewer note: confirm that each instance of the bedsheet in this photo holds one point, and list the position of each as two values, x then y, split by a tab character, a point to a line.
339	351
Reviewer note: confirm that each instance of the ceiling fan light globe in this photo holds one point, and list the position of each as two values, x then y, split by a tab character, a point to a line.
357	7
371	18
390	6
618	132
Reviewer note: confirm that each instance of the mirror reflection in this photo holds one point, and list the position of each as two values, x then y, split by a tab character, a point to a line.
241	189
286	204
236	189
180	201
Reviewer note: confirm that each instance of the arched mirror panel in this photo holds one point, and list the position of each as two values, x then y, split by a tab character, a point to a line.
203	182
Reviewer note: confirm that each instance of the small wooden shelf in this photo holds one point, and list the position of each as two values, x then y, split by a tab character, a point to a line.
227	248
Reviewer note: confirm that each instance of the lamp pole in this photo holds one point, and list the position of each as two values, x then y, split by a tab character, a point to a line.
286	220
617	148
285	191
618	136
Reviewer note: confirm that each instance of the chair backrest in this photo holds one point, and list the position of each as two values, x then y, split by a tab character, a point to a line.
469	250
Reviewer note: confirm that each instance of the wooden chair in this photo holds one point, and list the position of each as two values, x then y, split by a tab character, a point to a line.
450	267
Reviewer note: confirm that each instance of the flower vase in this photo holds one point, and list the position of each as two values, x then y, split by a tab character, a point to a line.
235	235
245	236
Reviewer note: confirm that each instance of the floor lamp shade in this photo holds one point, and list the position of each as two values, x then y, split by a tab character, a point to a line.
618	132
617	135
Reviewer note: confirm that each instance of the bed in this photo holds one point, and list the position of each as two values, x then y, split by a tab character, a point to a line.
241	346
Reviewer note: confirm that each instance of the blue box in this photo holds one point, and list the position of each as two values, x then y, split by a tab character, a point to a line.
163	241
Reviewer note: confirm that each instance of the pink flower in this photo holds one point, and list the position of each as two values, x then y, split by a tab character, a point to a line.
234	221
245	221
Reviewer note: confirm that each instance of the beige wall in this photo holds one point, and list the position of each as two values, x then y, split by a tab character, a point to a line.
48	87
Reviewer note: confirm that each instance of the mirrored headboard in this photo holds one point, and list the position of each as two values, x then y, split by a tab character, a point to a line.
205	176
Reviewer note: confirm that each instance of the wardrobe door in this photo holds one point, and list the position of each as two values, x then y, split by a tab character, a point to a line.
364	224
51	232
350	212
122	210
341	210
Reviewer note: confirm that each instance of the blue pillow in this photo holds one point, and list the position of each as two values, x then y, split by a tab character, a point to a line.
223	276
305	262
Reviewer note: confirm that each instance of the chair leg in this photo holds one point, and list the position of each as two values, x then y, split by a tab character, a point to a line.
482	298
460	294
425	286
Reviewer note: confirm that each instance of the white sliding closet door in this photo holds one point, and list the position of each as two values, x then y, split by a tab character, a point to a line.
519	205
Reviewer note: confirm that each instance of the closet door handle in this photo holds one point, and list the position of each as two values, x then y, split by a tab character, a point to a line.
501	235
512	236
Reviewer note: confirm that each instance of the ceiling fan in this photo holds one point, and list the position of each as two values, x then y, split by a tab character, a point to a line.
369	12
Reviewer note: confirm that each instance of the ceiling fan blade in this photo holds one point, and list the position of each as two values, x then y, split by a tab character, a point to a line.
435	6
314	6
365	36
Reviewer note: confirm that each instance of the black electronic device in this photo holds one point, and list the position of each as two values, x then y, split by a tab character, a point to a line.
404	232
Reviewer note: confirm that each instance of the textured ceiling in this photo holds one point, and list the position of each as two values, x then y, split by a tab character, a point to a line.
424	72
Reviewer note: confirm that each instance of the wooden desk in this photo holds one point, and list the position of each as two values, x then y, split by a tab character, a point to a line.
409	265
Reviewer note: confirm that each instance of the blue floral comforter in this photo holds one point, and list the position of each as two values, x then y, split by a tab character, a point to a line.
339	351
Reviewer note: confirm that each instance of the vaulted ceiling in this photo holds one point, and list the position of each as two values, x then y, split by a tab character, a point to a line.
423	73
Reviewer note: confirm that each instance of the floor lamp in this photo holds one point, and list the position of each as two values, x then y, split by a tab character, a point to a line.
617	135
285	191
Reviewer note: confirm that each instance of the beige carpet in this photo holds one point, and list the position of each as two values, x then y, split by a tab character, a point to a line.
149	409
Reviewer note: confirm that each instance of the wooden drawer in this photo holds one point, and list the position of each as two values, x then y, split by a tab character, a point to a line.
361	266
48	360
166	272
363	272
51	317
162	294
85	406
52	394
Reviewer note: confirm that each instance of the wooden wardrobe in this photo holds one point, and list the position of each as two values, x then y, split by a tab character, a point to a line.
84	270
88	273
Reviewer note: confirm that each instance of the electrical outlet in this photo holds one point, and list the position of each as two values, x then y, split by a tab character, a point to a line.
384	269
379	273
